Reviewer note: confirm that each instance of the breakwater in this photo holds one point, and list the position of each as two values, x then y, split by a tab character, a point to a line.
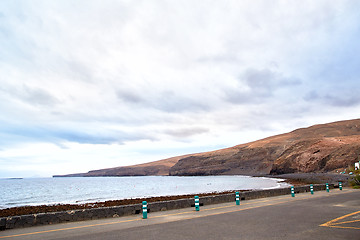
112	212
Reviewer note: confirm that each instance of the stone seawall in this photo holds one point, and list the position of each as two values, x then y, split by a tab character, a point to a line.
112	212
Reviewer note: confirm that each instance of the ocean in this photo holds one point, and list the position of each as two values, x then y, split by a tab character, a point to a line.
77	190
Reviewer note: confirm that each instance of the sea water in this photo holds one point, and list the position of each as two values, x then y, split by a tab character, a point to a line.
38	191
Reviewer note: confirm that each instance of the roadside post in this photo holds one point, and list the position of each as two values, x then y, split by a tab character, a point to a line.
237	198
144	209
312	189
340	185
327	187
292	191
197	203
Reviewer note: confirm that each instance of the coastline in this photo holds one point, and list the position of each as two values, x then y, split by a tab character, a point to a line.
295	179
26	210
75	190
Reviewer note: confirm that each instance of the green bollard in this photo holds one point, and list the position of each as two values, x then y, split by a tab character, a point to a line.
327	187
340	185
237	198
144	209
292	191
311	189
197	203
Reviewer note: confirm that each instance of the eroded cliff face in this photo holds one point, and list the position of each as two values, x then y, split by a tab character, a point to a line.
241	160
319	148
318	155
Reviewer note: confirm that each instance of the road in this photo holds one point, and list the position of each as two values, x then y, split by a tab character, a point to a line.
334	215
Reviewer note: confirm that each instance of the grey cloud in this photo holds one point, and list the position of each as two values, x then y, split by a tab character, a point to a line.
339	99
311	96
224	58
170	102
266	80
30	95
166	101
11	133
83	137
76	70
129	96
96	137
234	96
343	101
260	85
38	96
186	132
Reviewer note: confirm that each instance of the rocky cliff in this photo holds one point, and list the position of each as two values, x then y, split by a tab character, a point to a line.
319	148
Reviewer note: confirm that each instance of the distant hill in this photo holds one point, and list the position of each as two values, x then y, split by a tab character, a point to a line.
319	148
157	168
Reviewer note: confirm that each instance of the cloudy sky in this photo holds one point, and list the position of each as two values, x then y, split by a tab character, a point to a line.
94	84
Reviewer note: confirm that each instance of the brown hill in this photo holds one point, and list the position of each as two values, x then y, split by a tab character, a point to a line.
319	148
157	168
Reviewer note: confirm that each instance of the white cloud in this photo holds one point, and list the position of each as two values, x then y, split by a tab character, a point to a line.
123	82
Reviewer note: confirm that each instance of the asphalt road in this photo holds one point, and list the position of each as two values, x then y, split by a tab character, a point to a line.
334	215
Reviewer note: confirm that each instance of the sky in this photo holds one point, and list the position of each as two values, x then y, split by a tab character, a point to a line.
88	84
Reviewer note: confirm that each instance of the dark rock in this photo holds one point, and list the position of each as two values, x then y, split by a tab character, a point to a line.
28	220
2	224
13	222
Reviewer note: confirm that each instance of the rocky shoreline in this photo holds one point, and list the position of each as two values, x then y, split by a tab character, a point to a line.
296	179
25	210
313	178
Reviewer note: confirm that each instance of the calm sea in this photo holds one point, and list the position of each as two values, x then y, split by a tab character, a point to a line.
37	191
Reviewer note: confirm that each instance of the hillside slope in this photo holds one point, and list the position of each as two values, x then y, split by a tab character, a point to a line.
319	148
157	168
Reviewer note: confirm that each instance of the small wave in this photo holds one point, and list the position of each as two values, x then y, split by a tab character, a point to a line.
89	200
